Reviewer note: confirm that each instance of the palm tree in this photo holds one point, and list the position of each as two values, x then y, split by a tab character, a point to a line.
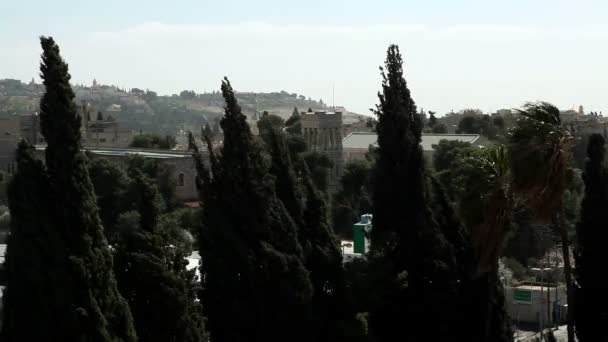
489	190
486	207
540	154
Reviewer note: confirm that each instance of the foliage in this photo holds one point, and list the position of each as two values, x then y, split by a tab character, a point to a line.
30	291
450	152
420	255
439	129
152	276
111	184
540	159
293	125
591	310
81	301
153	141
354	197
255	284
520	272
320	166
478	124
159	171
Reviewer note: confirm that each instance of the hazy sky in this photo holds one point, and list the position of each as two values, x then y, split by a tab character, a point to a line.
458	53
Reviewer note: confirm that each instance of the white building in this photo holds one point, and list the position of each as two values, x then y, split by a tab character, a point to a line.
357	144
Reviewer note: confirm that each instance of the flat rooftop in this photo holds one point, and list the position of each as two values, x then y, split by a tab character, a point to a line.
154	154
362	140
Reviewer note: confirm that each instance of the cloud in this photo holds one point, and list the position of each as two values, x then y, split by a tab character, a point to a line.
259	29
447	66
275	30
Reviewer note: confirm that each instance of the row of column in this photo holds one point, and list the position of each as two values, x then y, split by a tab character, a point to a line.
324	138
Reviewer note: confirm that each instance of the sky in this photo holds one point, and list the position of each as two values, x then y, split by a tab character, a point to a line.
457	54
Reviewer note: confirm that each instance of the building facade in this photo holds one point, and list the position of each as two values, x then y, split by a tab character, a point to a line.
322	132
102	132
356	145
181	164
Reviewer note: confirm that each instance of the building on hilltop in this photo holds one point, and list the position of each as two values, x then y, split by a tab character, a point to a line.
99	131
322	132
357	144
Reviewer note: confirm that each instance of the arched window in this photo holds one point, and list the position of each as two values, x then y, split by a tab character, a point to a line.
180	179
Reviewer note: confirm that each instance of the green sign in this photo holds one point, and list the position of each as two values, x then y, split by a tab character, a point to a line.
521	296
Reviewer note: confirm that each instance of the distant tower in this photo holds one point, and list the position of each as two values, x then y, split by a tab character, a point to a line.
322	132
32	82
94	82
580	110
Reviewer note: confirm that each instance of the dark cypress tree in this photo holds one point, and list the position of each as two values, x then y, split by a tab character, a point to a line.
414	254
85	302
34	267
591	310
256	287
322	255
159	295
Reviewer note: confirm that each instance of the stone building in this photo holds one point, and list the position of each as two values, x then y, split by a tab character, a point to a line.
183	171
12	130
102	132
322	132
356	145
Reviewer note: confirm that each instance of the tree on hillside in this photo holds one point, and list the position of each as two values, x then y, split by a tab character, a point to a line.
83	302
256	286
432	120
419	256
163	306
477	124
99	117
153	141
268	122
293	125
591	310
539	161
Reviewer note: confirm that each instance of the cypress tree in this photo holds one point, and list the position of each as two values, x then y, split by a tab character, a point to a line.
152	280
34	267
416	260
86	304
591	309
256	287
322	254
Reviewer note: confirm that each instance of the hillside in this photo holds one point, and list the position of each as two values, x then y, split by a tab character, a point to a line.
148	112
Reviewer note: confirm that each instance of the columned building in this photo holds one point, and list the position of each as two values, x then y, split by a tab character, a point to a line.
322	132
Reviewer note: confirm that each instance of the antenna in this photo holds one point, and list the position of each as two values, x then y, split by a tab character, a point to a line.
333	95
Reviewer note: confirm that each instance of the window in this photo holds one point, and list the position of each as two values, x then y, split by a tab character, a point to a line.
103	140
180	179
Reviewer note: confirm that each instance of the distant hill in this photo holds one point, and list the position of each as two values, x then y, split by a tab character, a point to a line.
149	112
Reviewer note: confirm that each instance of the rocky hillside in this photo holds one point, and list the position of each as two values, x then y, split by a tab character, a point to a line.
149	112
